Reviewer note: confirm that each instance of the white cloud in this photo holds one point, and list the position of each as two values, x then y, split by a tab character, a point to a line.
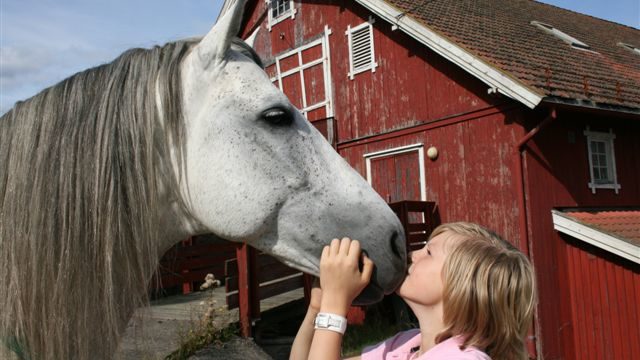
44	41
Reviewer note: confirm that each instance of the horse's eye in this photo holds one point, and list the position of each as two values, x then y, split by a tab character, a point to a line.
278	117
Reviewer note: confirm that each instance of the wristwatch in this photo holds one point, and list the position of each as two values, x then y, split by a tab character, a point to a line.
333	322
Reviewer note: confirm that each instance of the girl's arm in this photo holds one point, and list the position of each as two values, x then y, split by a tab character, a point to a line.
341	281
302	343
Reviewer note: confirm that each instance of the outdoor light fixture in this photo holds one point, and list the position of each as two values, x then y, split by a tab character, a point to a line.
432	153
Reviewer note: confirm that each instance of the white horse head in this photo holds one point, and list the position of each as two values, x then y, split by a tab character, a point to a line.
257	171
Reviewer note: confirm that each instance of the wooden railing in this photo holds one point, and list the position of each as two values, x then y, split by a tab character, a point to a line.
186	264
252	277
418	218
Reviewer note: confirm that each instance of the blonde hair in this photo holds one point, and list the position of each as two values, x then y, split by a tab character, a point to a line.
489	292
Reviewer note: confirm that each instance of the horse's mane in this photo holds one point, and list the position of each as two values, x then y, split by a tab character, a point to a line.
79	180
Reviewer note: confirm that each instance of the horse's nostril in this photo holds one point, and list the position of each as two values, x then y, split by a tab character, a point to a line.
394	244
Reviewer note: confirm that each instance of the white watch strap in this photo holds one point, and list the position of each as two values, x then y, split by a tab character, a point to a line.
329	321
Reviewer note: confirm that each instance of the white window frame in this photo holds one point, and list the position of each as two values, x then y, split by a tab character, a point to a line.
289	14
607	138
373	65
325	60
395	151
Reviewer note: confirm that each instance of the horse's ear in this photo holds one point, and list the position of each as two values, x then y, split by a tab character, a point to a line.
215	44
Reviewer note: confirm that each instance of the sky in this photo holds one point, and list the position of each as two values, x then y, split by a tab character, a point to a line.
45	41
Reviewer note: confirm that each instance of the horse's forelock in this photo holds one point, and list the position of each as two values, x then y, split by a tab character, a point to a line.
78	182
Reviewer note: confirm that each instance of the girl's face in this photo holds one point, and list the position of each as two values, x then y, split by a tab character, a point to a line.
423	283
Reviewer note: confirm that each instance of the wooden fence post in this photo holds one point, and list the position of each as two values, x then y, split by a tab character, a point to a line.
187	286
248	300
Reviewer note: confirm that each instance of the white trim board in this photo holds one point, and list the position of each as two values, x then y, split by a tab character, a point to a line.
599	239
452	52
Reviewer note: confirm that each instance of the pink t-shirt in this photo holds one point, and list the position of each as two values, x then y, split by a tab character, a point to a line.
399	347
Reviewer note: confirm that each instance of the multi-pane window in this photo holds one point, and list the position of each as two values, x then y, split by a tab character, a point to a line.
600	163
280	10
304	75
602	166
361	50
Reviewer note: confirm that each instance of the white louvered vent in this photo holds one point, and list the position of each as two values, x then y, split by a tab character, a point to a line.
361	47
361	51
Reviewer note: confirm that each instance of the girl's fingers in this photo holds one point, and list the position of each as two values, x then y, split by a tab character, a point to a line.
344	246
354	250
325	253
335	247
367	268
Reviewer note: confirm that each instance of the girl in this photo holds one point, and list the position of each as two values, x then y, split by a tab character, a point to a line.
472	292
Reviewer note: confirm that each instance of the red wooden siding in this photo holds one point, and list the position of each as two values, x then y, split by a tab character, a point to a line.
605	294
557	174
471	180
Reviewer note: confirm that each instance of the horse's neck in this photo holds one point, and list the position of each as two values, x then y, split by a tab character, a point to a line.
175	224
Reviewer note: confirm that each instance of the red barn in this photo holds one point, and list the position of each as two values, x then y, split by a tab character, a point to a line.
518	115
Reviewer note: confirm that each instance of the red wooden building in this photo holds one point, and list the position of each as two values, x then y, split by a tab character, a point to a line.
534	112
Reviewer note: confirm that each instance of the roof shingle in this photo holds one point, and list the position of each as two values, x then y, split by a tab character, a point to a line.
500	33
623	224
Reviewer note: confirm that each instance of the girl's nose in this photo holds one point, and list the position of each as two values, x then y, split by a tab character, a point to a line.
413	256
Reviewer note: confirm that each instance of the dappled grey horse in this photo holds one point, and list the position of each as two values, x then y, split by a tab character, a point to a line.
103	172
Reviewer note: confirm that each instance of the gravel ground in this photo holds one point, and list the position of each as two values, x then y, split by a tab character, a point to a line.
154	332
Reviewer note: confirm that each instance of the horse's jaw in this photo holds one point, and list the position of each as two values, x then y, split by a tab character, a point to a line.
304	225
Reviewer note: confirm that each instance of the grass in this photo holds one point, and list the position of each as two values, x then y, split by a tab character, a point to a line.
201	336
205	331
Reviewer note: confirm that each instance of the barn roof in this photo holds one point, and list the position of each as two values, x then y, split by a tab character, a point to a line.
501	34
498	42
615	230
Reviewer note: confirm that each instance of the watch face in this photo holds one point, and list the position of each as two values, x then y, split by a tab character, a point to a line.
331	322
322	321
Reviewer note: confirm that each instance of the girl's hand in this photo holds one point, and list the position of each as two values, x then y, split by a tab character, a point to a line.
340	277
